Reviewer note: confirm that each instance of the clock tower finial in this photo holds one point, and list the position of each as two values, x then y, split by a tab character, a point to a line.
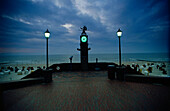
84	29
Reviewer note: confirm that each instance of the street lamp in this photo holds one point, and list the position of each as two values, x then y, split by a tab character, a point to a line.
47	35
119	34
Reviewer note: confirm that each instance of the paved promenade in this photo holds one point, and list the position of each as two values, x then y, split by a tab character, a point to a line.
88	91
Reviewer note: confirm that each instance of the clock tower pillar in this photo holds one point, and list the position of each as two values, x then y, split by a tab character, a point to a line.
84	49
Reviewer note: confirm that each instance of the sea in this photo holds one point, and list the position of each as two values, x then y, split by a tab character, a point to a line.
7	60
36	61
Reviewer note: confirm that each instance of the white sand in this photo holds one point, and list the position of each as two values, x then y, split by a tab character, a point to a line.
15	76
155	71
6	76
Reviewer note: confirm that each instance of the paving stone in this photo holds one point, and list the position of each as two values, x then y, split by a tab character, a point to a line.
70	91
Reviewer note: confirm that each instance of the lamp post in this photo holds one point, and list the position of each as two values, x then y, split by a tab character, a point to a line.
47	35
119	34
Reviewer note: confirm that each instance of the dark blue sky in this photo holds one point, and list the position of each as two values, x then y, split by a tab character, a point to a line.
145	25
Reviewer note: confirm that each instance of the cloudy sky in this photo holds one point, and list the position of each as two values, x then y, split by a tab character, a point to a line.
145	25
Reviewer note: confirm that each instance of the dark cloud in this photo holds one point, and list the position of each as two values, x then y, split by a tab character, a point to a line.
145	25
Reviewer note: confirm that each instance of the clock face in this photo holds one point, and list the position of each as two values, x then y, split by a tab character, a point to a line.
84	39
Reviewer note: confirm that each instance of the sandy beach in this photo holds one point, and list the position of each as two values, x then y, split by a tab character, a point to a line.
155	70
7	75
15	76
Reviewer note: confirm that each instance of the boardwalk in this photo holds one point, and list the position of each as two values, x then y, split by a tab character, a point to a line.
87	91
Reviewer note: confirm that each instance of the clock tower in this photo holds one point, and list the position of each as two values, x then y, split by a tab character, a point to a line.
84	49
